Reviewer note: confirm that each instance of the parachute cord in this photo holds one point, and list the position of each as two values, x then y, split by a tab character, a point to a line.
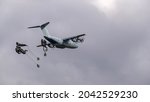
33	53
33	60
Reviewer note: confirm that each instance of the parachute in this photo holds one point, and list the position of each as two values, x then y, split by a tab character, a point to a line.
26	51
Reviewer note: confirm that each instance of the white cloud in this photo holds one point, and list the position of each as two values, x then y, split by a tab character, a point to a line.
106	6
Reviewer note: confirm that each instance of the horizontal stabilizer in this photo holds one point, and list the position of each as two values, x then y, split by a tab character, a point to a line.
41	26
35	27
44	25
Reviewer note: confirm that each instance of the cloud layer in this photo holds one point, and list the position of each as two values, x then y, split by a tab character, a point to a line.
115	51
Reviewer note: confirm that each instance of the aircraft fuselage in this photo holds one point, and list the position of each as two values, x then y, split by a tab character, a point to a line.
59	43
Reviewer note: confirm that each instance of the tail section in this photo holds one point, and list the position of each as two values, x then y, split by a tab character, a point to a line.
43	28
44	25
34	27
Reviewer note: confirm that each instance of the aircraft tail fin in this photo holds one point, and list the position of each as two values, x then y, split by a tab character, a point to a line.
41	26
44	30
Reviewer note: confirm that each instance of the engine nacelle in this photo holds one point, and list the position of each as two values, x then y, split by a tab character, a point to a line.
50	45
79	40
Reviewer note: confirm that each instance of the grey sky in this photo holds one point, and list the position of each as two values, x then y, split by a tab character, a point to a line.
116	49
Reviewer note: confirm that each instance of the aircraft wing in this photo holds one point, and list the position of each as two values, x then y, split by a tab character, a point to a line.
75	38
